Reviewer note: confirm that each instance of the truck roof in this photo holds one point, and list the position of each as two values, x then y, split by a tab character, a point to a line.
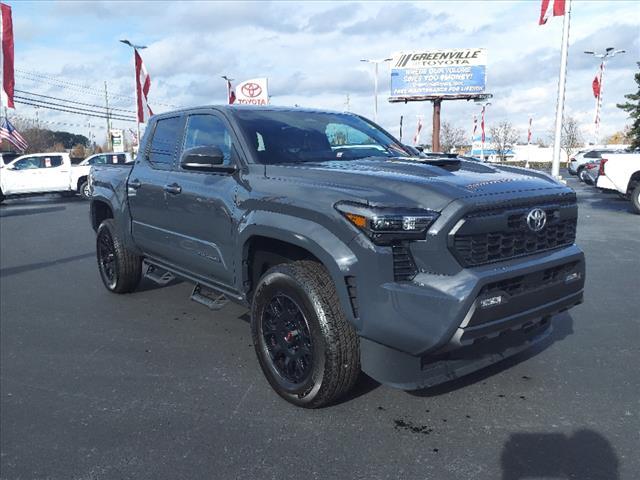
256	108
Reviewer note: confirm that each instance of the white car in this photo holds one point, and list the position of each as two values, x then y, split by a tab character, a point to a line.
621	172
580	159
104	158
39	173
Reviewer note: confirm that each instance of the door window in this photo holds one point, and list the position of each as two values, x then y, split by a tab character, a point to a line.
52	161
208	130
165	141
28	163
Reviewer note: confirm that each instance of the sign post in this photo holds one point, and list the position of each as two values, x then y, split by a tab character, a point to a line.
437	75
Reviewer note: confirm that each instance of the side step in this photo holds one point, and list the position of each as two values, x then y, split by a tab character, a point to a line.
158	274
209	298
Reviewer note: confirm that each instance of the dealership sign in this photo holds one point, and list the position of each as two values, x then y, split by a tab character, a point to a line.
252	92
439	73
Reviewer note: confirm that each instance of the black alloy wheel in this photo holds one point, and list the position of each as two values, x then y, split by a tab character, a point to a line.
285	331
107	259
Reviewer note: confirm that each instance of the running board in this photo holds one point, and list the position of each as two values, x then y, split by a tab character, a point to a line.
208	297
158	274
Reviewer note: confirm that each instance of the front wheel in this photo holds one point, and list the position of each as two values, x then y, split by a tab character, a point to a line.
307	349
84	190
635	199
120	269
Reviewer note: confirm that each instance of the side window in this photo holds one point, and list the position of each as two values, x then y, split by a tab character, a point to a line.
28	163
203	130
52	162
165	141
592	155
119	158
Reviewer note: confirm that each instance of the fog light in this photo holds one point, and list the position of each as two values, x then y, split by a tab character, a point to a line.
572	277
491	301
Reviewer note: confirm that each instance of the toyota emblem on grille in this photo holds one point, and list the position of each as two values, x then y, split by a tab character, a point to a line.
536	219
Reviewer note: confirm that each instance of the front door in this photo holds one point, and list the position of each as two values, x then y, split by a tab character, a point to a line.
201	208
23	176
146	189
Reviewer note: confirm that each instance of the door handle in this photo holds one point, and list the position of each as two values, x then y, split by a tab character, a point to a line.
135	184
173	188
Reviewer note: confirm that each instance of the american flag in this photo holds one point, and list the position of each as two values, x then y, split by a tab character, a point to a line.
143	84
134	135
9	133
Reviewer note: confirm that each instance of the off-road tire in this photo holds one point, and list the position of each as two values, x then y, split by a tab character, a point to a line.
635	199
83	190
126	265
335	364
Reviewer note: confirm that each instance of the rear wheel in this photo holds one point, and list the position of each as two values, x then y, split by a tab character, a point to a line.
635	199
307	349
583	176
120	269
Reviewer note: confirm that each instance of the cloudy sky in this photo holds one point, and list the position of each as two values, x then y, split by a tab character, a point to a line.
311	52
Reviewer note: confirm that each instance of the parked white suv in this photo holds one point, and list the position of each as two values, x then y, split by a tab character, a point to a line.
38	173
621	172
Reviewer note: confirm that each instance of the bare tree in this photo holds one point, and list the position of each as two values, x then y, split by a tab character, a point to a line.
503	138
451	137
571	139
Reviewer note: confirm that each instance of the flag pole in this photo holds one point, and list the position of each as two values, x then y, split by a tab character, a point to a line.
564	53
599	99
135	85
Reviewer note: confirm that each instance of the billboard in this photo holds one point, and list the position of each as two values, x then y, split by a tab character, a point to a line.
252	92
457	72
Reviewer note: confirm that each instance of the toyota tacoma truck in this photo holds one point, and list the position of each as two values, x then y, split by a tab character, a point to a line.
352	253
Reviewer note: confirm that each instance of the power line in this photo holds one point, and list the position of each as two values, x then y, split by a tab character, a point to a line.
72	101
49	78
38	105
79	110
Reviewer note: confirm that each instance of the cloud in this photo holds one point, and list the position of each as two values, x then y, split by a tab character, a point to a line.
395	18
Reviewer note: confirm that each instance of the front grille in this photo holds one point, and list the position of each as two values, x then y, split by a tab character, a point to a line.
473	246
404	267
530	282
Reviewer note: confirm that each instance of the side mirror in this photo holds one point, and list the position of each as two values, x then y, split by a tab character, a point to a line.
202	158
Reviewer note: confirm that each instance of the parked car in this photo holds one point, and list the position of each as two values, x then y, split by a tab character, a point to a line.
576	164
102	158
40	173
589	174
414	270
621	172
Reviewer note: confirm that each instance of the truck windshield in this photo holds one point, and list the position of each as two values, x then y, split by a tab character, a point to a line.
297	137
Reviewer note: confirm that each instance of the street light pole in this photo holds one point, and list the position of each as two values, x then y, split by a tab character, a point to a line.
609	52
375	84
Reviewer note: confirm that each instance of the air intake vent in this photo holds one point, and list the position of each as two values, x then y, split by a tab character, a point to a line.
404	268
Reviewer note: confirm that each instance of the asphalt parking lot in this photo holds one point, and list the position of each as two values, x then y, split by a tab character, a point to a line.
151	385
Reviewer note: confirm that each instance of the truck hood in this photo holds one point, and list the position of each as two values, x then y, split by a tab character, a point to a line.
414	181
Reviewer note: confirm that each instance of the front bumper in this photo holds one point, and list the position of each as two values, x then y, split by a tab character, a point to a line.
438	327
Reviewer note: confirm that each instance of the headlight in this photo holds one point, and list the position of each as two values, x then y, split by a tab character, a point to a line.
385	225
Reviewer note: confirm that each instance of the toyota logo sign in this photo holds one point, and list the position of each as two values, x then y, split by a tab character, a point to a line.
536	219
251	90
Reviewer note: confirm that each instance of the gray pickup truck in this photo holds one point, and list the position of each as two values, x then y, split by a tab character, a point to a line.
351	252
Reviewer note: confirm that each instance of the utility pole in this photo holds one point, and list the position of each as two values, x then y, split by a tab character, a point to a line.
608	53
435	131
106	102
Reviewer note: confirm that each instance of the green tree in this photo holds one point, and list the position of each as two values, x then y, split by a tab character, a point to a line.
632	107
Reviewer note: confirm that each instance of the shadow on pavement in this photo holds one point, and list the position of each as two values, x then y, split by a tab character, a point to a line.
585	455
28	211
562	328
35	200
6	272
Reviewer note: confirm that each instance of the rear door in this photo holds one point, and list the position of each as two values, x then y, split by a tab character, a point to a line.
146	187
56	173
201	208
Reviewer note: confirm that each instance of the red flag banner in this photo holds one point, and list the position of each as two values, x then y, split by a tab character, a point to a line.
482	124
143	84
551	8
6	62
416	137
596	86
529	132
